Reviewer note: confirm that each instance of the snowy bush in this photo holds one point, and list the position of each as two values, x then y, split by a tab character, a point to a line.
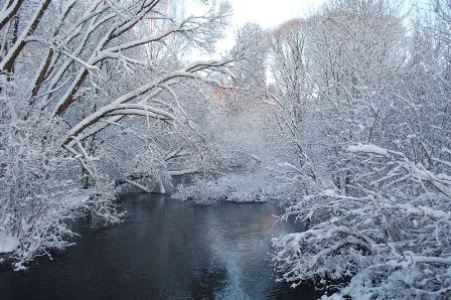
34	206
38	194
392	237
373	153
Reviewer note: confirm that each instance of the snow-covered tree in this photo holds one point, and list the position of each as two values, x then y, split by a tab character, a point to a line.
378	212
91	94
250	71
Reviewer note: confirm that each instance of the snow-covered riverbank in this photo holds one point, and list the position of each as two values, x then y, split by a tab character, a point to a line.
7	243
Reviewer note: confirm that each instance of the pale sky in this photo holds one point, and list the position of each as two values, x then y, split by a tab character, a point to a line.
266	13
270	13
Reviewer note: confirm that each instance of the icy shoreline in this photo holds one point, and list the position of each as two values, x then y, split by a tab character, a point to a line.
238	188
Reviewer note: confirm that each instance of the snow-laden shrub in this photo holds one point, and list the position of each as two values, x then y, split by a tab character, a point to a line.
376	217
392	236
33	202
38	198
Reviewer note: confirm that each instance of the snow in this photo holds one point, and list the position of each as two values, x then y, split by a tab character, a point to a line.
382	218
238	188
368	149
329	193
7	243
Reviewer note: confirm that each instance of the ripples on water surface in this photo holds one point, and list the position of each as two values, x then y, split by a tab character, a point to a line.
165	250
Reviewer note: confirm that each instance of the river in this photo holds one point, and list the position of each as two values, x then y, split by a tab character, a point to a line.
166	249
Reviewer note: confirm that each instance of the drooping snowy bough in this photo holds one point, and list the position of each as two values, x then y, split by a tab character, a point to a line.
94	93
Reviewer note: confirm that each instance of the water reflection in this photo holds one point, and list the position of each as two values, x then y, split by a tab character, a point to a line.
165	250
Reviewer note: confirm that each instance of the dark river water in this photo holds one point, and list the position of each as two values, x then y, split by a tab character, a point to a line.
166	249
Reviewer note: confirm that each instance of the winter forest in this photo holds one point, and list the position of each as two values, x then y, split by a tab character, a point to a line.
340	119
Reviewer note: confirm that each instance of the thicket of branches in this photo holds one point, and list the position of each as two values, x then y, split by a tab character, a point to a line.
98	93
364	101
92	94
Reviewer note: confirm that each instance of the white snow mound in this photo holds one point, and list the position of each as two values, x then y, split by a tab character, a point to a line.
8	243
